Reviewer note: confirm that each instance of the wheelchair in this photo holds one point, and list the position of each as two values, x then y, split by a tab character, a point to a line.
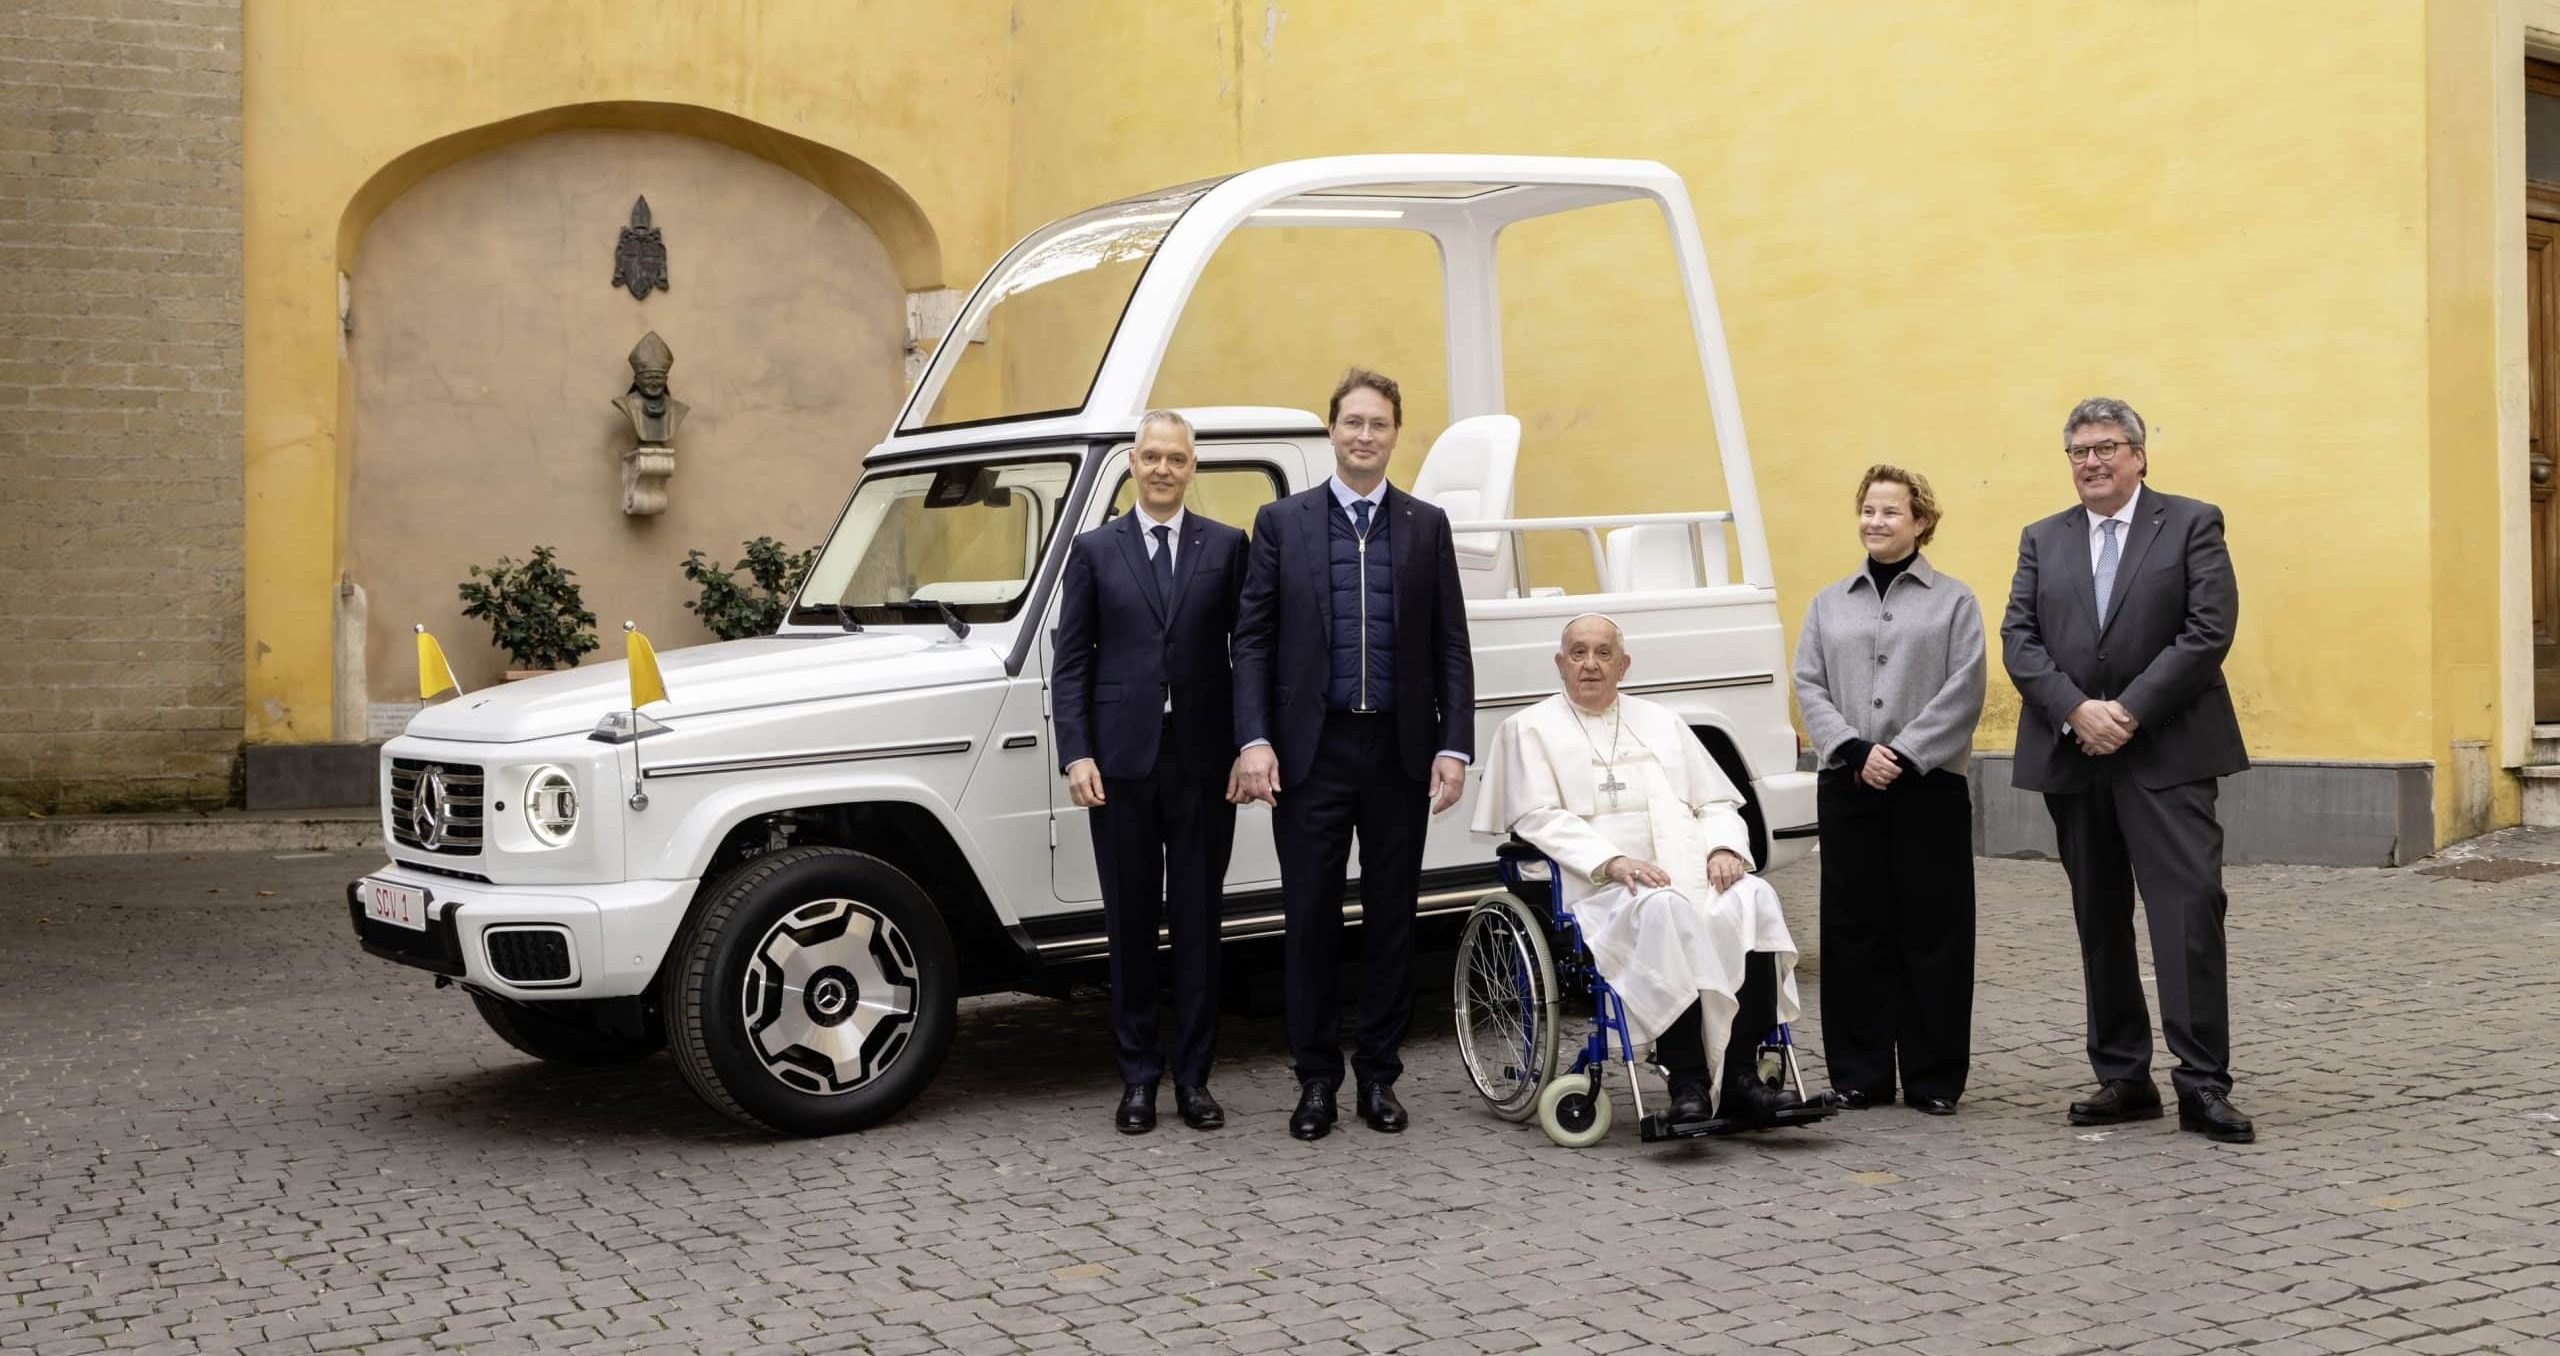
1520	958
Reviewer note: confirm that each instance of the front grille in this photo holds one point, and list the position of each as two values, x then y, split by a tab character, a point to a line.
452	827
529	955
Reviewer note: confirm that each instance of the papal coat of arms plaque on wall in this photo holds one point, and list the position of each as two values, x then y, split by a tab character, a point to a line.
640	256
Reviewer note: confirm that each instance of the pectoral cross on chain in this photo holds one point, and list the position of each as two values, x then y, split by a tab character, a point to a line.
1613	786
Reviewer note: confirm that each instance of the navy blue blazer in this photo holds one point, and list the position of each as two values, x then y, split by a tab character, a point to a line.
1284	630
1120	652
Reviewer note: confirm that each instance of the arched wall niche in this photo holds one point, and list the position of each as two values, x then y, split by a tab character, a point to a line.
487	342
880	203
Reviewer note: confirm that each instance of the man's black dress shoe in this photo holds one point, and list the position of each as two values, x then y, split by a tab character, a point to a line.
1314	1115
1749	1102
1689	1102
2119	1100
1137	1113
1379	1107
1859	1099
1199	1110
1934	1106
2211	1114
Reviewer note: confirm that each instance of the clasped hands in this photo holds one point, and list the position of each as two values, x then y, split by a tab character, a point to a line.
2102	727
1724	867
1256	776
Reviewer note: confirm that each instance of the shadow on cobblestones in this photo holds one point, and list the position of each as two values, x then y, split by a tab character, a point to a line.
224	1128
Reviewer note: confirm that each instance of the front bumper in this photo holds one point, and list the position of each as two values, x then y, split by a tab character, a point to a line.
616	932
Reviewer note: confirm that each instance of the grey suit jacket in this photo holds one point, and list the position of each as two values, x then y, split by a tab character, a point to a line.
2160	651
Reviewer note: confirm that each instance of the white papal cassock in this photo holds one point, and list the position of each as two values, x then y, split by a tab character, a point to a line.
1584	789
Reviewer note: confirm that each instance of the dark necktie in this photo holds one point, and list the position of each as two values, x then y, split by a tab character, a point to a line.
2109	561
1164	564
1360	518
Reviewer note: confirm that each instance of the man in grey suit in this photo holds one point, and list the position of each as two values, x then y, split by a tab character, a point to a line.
2119	618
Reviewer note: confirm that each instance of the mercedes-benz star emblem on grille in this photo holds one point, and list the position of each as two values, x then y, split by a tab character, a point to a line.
426	811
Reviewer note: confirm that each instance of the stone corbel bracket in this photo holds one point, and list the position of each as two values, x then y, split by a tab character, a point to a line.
644	480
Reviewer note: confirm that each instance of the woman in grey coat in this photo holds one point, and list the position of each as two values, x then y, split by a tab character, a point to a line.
1889	675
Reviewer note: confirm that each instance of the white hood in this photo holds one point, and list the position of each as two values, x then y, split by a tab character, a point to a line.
726	676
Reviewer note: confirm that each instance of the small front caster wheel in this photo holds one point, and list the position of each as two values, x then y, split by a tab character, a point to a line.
1574	1111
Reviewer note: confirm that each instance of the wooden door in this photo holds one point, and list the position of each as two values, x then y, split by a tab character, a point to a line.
2542	304
2542	312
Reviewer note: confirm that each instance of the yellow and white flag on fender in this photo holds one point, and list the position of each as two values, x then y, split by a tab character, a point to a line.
435	676
646	684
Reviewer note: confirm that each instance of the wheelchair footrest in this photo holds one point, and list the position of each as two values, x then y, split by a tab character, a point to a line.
1658	1126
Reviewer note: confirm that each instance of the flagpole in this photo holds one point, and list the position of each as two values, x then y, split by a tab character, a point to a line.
639	793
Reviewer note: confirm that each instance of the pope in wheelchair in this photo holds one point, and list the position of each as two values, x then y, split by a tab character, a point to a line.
1652	909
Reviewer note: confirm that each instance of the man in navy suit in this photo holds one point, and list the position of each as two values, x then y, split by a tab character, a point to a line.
1355	704
1146	737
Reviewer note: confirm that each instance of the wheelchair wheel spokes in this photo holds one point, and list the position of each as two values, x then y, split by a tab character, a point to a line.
1505	996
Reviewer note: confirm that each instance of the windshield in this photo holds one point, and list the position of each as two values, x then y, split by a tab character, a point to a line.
1034	337
971	536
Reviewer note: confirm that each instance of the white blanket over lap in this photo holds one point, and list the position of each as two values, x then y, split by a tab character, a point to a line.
1661	949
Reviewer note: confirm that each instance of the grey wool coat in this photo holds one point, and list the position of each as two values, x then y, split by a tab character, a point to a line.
1905	670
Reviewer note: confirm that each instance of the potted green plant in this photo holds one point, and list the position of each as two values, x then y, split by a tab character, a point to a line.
534	611
734	610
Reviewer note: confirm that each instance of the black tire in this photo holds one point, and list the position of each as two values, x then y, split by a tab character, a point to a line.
1504	1005
728	1004
562	1038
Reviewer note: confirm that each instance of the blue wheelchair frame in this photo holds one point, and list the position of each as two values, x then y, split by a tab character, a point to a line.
1521	866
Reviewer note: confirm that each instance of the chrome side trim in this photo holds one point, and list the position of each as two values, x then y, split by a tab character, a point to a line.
701	767
1640	689
1271	924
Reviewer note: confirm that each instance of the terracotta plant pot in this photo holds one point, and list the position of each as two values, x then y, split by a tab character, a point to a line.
517	675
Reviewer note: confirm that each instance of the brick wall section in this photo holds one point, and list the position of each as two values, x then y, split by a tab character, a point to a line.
120	427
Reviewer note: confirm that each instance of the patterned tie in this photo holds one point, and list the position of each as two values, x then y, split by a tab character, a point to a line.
1164	564
1360	518
2107	561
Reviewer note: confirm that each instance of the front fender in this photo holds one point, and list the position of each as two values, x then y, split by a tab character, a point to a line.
698	822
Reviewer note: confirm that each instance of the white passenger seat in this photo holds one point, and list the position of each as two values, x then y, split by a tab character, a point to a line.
1469	475
1658	556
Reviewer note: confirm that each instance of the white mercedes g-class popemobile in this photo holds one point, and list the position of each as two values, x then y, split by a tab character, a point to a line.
790	870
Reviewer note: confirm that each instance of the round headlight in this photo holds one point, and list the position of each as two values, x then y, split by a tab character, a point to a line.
551	805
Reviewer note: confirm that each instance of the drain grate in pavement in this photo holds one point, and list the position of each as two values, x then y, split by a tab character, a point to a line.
2489	869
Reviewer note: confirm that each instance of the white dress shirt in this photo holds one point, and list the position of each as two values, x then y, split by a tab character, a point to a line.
2124	533
1344	496
1147	526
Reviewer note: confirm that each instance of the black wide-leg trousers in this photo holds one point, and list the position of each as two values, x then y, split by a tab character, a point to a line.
1160	845
2116	833
1897	933
1358	787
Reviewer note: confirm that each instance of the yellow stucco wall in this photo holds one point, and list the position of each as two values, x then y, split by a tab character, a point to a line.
346	104
1933	227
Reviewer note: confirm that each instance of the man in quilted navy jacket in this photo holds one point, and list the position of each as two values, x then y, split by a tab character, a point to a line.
1355	710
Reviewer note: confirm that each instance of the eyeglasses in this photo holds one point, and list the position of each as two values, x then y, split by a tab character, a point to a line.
2105	451
1355	425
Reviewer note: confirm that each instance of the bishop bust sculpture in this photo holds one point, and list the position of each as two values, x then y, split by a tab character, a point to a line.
655	416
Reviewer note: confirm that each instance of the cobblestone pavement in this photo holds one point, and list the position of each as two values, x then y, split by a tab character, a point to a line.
222	1127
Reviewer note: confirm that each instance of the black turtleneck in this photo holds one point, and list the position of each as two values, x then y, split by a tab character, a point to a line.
1884	572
